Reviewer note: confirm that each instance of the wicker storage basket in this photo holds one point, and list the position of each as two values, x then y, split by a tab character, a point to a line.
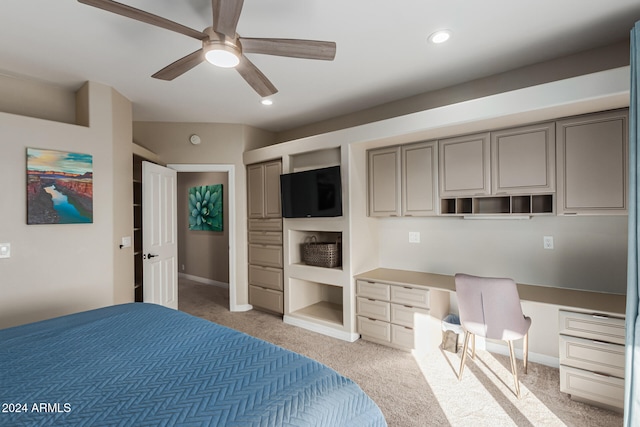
321	254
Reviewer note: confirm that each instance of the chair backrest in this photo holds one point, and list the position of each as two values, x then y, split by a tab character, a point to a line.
490	307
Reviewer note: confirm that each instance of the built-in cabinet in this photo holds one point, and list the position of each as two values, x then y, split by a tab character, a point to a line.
592	357
514	171
465	165
592	158
399	316
263	186
403	180
266	283
523	160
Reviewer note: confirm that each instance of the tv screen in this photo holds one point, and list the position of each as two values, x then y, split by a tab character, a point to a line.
312	193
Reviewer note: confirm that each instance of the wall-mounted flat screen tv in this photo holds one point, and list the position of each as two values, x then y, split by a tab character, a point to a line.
312	193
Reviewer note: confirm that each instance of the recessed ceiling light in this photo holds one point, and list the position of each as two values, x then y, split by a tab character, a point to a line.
266	102
440	36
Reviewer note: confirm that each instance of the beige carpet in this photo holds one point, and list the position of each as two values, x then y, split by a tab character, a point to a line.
415	393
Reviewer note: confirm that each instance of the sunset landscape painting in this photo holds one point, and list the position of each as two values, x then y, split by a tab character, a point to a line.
59	187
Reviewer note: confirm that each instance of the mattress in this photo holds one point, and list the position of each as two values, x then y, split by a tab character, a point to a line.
145	365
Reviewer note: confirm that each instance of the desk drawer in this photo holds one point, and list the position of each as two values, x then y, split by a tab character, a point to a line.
597	356
413	297
592	326
402	337
377	330
373	309
405	316
592	387
373	290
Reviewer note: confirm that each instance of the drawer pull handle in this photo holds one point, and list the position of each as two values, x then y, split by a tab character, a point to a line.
408	287
407	306
600	316
601	342
373	320
598	374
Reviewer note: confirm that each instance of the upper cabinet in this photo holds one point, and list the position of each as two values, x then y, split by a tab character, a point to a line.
592	155
402	180
263	183
523	160
384	181
420	179
465	166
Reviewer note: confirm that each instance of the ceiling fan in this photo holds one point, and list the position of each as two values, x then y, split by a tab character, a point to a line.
222	46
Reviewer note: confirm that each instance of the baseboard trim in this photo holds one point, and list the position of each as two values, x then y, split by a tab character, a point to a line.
542	359
321	329
204	280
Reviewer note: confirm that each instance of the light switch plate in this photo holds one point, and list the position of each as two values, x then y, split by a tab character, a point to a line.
547	242
126	242
5	250
414	237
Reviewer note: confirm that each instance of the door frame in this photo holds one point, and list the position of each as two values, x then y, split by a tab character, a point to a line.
231	192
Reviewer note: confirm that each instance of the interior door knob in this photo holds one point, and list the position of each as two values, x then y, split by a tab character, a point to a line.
150	255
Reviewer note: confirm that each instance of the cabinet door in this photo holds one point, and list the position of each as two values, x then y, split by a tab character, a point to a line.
465	165
263	190
419	179
384	182
272	205
523	159
592	163
255	191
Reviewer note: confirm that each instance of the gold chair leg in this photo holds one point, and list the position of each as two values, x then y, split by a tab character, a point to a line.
464	354
473	348
514	368
525	351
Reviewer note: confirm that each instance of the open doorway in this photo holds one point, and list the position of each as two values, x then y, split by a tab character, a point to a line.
196	174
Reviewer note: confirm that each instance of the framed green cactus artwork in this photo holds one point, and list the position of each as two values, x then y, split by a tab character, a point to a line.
205	208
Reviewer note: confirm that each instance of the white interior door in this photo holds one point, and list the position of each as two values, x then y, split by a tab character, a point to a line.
159	235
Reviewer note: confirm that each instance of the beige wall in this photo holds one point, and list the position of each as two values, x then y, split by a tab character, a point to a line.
203	254
61	269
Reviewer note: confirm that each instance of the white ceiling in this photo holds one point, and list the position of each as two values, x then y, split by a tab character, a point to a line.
382	51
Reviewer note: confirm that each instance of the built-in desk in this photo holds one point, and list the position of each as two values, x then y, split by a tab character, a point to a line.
574	298
580	332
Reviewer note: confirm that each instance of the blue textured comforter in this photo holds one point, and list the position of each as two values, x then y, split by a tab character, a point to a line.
145	365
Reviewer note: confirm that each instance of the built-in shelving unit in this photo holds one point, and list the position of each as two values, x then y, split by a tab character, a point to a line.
137	227
531	204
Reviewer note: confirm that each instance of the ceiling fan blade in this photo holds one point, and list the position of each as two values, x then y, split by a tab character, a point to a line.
225	16
181	66
141	15
258	81
309	49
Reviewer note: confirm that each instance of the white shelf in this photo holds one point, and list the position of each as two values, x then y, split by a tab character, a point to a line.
323	311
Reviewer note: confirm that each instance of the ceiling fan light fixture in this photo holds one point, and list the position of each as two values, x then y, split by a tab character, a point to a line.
222	55
266	101
440	36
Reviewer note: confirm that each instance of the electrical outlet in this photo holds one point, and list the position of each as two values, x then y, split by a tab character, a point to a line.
5	250
182	267
414	237
547	242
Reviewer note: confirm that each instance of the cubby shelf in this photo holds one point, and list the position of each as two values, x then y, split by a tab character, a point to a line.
323	311
530	204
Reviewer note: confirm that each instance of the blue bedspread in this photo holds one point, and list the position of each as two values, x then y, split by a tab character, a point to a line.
145	365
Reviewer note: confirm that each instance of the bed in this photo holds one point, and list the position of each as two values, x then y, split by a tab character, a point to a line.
145	365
